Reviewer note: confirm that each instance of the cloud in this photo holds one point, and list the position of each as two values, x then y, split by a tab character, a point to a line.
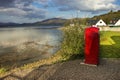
33	10
85	5
12	12
20	9
6	3
43	1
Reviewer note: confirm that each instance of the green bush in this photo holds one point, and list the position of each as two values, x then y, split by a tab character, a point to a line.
73	44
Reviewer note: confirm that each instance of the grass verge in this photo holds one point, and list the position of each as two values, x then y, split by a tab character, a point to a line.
110	44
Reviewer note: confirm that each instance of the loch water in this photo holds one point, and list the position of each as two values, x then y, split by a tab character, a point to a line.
22	45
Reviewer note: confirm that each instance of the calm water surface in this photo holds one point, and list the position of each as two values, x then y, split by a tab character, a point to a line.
23	45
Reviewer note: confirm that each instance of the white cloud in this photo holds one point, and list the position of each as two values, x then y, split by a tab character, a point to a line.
12	12
20	11
43	1
85	5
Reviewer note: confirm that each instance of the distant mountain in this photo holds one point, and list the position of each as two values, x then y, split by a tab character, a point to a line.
52	21
47	22
8	24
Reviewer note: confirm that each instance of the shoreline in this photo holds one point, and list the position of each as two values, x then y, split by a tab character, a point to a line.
30	66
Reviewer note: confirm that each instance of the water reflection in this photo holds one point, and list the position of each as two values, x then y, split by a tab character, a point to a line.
22	45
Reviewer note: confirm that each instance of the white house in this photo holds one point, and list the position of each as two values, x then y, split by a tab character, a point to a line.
97	22
100	23
117	23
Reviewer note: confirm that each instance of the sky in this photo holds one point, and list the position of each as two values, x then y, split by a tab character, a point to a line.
29	11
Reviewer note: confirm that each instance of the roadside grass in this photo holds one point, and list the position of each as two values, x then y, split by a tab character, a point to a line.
105	37
109	44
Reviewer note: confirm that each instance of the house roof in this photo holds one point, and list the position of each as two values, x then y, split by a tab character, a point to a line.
114	20
101	23
92	22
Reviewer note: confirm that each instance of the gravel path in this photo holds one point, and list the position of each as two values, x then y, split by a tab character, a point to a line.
109	69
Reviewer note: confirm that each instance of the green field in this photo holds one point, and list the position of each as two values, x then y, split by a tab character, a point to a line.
110	44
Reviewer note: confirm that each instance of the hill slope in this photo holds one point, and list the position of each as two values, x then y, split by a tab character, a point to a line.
52	21
47	22
109	16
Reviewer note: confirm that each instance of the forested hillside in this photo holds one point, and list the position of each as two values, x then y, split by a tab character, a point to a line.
109	16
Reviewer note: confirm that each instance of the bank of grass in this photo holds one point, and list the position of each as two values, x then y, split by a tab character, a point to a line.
30	66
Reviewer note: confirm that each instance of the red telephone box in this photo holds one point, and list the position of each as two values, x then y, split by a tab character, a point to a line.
92	45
